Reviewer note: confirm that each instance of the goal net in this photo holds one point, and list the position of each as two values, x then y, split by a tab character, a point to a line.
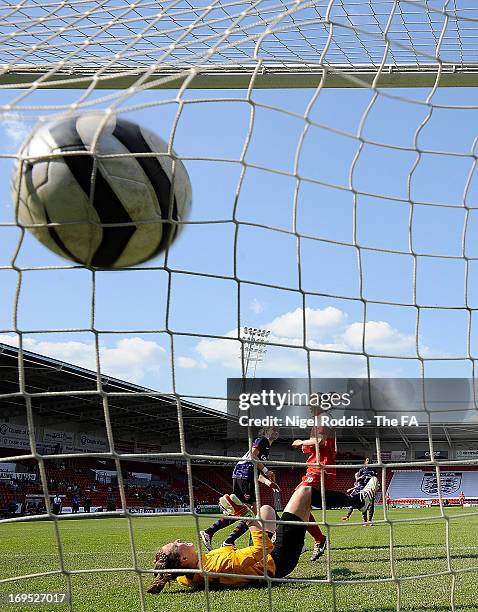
332	152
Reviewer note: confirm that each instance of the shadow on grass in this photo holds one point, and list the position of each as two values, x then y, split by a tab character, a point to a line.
438	558
301	586
342	572
377	547
399	547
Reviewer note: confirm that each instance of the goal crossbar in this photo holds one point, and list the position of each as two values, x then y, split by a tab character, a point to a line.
265	76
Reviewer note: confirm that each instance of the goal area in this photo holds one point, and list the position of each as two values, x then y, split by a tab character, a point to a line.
332	152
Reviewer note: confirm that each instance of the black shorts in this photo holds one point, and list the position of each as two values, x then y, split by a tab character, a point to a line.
288	545
245	489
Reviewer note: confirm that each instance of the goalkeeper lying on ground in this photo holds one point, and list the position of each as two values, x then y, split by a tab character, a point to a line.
281	556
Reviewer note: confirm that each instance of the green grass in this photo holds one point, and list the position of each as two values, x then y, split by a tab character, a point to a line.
357	554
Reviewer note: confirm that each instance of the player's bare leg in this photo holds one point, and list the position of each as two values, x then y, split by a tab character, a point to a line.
267	523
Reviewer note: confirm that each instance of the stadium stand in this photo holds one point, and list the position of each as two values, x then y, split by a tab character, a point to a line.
421	486
144	421
168	487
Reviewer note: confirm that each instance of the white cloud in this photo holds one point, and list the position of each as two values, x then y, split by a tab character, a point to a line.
285	329
16	130
225	352
290	324
328	333
189	362
130	359
256	306
380	337
337	365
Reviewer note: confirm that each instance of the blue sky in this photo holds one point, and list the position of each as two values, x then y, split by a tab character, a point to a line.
133	303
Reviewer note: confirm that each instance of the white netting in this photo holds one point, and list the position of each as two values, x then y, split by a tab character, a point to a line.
88	40
363	239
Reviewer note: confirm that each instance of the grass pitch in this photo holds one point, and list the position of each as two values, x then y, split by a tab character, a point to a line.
358	555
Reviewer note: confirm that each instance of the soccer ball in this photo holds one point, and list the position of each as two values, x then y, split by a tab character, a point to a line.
109	208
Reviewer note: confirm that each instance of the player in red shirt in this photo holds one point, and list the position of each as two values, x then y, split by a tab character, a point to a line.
323	439
387	501
462	499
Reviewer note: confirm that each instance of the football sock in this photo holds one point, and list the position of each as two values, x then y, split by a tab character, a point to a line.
315	531
237	532
219	524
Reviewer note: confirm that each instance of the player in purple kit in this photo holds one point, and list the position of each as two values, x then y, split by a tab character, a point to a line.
243	485
362	477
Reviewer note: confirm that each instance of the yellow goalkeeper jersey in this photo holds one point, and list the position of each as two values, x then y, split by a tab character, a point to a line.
228	560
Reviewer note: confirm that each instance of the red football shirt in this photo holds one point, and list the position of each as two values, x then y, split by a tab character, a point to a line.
327	452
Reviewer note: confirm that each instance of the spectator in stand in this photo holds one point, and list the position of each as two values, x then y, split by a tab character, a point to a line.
56	504
110	503
87	504
75	503
12	508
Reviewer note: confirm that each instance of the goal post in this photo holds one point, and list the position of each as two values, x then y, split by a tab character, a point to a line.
332	151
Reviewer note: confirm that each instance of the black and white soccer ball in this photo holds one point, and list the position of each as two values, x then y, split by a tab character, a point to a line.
112	211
